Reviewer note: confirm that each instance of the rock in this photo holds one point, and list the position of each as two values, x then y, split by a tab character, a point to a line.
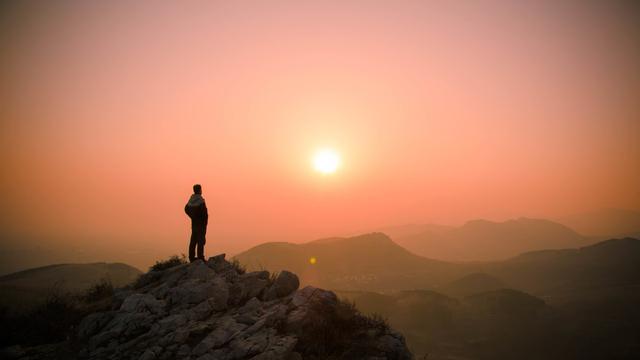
247	286
247	319
201	311
225	330
142	302
171	322
280	349
92	323
253	283
311	295
208	311
194	291
285	284
184	351
152	353
306	307
251	306
199	270
218	263
242	348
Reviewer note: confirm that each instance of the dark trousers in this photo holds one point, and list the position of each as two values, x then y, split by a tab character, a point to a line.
197	240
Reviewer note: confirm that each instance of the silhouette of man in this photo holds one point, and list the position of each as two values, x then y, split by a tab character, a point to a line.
197	211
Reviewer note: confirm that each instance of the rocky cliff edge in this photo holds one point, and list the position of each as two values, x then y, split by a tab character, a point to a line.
213	310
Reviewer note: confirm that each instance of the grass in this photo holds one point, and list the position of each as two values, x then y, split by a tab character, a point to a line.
172	261
240	269
339	332
101	290
272	278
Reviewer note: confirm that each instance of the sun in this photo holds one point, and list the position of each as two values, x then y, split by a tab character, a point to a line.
326	161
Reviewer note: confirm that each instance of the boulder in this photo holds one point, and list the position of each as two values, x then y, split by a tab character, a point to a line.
307	305
249	285
141	303
286	283
93	323
218	263
225	329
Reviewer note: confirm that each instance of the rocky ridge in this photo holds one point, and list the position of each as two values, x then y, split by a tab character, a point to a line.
212	310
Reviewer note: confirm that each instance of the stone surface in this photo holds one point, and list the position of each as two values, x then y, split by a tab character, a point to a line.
209	311
286	283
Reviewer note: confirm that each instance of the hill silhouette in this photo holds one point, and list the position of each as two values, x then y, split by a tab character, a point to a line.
482	240
365	262
605	222
608	268
26	288
373	262
472	284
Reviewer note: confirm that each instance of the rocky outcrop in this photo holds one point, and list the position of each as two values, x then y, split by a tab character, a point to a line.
212	310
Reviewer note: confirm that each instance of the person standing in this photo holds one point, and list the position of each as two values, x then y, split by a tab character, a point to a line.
197	211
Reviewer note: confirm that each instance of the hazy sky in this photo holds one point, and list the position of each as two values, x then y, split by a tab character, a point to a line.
442	112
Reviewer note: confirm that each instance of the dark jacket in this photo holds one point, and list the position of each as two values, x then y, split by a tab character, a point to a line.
197	211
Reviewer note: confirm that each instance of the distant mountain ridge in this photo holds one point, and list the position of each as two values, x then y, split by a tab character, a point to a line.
364	262
373	262
483	240
604	222
23	288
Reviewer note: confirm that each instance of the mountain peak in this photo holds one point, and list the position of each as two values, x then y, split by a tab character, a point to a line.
213	310
373	237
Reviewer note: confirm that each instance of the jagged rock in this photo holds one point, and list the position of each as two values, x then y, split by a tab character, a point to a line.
250	285
218	263
142	302
306	307
225	329
194	291
285	284
200	270
93	323
207	310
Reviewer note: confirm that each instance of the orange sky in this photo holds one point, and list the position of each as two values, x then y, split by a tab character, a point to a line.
442	113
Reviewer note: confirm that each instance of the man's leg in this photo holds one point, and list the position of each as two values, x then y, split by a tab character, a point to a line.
192	246
201	250
201	242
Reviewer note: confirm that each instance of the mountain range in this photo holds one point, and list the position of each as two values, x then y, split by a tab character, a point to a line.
603	223
483	240
373	262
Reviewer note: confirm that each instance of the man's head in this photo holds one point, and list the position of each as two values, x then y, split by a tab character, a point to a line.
197	189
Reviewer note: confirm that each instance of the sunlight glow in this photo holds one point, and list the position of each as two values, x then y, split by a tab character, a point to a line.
326	161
